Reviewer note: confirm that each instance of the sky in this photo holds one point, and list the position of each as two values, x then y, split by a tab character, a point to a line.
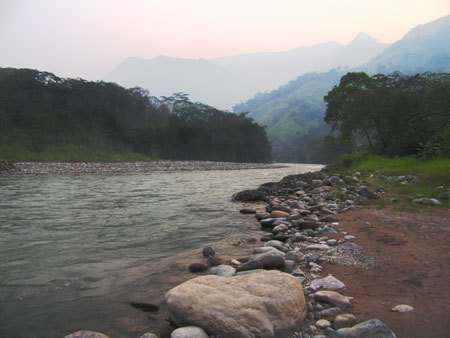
89	38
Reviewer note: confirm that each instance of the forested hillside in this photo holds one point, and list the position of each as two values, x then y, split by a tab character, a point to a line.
42	113
294	113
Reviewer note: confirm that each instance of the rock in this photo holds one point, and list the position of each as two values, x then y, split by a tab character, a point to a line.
280	228
86	334
268	222
326	230
250	266
294	256
373	328
298	237
214	261
330	314
365	192
250	305
402	308
265	249
235	262
223	270
432	201
302	225
277	245
328	282
249	196
279	214
351	246
147	307
301	185
349	237
189	332
316	183
334	298
149	335
332	242
262	215
323	324
208	252
298	272
246	211
289	266
318	247
315	267
198	267
344	320
268	259
328	219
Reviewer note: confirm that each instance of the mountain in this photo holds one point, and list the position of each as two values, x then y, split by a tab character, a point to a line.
426	48
222	82
293	114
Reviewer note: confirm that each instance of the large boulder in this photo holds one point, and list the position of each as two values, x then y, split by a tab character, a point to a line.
261	304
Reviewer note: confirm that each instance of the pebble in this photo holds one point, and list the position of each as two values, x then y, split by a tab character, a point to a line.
344	320
317	247
402	308
323	324
189	332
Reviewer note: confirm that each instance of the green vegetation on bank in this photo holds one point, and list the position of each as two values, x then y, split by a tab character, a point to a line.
378	171
44	117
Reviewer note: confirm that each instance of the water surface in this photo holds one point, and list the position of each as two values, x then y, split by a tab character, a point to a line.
75	249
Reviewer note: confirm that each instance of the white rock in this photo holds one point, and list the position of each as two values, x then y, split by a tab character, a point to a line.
402	308
189	332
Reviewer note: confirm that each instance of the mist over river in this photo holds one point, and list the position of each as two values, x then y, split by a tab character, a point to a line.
75	249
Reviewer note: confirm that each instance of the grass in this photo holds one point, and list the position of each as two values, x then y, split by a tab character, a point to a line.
71	153
431	173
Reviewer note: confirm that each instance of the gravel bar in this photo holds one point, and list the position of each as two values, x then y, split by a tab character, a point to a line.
176	166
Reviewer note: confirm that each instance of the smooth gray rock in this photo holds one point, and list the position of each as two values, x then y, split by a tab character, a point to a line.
149	335
250	266
328	282
189	332
269	260
265	249
318	247
330	314
373	328
277	245
223	270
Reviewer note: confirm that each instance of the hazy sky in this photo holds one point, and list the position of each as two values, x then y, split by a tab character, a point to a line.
88	38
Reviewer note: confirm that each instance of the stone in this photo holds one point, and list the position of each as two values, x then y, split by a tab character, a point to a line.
255	304
249	196
298	237
326	230
328	282
334	298
332	242
214	261
349	237
373	328
247	211
268	259
330	314
86	334
432	201
277	245
149	335
262	215
351	246
250	266
279	214
301	185
294	256
289	266
365	192
323	324
402	308
318	247
316	183
344	320
208	252
198	267
280	228
189	332
223	270
265	249
302	225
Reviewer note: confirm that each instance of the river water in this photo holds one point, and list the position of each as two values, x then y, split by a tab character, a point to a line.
75	249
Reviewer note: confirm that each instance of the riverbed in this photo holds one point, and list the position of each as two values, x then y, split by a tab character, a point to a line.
76	248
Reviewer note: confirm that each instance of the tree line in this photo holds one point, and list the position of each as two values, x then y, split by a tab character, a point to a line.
393	114
38	109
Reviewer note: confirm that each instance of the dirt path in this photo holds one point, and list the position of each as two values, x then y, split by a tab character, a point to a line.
414	269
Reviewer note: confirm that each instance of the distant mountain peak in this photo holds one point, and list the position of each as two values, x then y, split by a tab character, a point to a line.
363	38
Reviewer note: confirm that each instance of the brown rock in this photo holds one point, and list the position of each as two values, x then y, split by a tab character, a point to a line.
279	214
334	298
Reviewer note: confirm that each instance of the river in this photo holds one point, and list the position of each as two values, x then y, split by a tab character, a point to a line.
75	249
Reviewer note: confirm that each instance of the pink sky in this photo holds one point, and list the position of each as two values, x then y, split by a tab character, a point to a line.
88	38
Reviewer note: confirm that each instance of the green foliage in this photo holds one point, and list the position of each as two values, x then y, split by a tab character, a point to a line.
43	116
397	115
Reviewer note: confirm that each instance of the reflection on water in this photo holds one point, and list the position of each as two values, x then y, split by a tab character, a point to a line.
76	248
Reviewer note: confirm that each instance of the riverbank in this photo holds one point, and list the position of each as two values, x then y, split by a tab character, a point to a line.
123	167
318	226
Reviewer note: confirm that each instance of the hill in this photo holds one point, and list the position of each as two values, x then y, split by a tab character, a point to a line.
222	82
294	113
44	117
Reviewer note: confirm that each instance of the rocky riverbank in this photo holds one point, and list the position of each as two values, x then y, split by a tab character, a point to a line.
124	167
310	245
